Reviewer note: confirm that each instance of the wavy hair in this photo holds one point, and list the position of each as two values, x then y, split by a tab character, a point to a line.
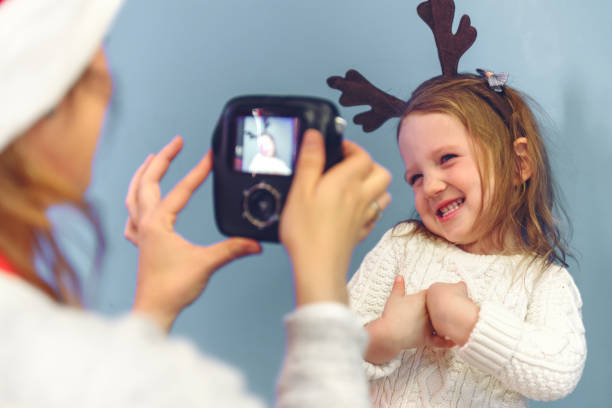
26	233
528	211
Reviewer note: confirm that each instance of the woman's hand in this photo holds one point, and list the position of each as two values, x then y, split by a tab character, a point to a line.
404	324
172	272
327	214
453	314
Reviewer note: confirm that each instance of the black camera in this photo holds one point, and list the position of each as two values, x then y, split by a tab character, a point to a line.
255	148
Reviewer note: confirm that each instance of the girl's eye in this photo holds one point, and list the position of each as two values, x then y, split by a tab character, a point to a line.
413	179
447	157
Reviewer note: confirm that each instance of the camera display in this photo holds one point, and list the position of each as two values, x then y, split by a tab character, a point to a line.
266	144
255	148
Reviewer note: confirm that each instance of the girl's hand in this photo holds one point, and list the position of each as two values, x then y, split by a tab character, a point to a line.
453	314
172	272
404	324
327	214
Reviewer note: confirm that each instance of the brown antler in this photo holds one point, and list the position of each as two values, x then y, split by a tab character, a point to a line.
439	14
356	90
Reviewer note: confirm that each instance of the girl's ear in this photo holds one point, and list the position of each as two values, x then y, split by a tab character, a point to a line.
525	165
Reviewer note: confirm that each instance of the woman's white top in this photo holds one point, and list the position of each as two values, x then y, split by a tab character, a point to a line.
53	356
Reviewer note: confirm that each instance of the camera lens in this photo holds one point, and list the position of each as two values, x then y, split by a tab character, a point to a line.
261	205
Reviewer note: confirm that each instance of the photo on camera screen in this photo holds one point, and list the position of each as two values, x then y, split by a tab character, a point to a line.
266	144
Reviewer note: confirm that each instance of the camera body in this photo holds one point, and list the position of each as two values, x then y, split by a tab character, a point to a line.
255	147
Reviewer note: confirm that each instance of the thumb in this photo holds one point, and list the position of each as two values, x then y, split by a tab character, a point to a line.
223	252
311	160
399	287
462	288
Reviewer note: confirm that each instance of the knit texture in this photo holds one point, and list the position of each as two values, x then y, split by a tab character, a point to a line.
325	348
58	357
528	341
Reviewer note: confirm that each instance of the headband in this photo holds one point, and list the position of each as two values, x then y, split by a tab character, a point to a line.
44	47
438	14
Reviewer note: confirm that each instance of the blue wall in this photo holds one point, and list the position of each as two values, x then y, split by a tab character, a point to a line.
176	63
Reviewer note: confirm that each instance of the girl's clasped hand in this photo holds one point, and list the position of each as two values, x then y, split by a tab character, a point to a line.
441	316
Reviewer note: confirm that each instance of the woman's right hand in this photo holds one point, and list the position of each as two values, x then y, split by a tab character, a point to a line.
327	214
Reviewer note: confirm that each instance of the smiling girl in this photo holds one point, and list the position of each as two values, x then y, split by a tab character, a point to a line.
492	316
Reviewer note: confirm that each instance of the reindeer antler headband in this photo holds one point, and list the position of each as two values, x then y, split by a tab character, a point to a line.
438	14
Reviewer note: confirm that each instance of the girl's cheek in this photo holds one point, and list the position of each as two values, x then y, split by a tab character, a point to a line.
419	206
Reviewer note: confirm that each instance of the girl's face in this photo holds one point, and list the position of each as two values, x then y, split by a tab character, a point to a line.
441	166
266	145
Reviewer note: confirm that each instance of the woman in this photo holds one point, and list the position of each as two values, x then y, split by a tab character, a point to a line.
53	354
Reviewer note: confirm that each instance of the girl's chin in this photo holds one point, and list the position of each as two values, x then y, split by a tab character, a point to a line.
460	240
477	247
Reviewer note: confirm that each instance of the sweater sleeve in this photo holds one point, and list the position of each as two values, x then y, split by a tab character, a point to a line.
541	357
79	359
369	289
322	368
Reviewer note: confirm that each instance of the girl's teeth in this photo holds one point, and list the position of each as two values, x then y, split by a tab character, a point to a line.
451	207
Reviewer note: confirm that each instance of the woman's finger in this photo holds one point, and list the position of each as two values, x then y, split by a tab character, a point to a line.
131	232
376	182
179	196
373	214
310	163
149	193
158	167
221	253
131	200
356	163
377	206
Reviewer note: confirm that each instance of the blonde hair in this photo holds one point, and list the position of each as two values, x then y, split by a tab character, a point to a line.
28	188
494	121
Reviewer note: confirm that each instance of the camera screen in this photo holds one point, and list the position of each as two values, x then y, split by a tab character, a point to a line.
265	144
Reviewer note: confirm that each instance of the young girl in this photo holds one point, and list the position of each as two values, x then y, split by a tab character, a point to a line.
492	317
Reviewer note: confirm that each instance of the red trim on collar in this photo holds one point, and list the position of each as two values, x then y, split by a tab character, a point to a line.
5	265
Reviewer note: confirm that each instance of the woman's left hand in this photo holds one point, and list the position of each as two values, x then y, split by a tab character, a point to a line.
172	272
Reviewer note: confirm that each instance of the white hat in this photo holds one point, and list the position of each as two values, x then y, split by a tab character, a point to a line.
44	47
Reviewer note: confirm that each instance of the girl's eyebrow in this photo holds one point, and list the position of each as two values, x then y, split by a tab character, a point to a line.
410	169
444	149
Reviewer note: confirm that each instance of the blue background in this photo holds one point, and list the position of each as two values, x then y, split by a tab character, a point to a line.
176	63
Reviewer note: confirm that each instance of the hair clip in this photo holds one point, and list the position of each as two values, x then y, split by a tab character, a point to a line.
496	81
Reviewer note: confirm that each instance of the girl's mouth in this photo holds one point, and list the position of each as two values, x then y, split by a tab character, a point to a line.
446	211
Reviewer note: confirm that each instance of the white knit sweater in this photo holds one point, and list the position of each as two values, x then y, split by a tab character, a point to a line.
528	341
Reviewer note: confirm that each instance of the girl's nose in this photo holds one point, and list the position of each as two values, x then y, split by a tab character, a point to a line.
433	186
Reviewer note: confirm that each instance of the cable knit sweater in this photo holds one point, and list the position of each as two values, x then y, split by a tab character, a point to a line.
528	340
58	357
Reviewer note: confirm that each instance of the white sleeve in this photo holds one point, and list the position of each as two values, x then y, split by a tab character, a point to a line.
322	367
541	357
369	289
58	357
